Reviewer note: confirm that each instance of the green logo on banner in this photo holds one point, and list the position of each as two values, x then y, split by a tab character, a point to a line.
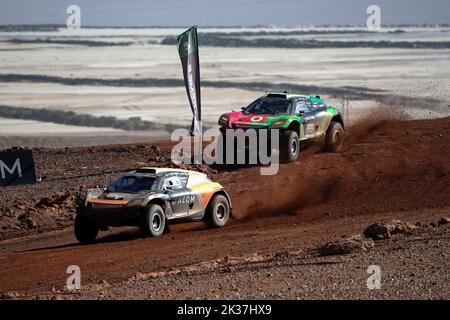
187	42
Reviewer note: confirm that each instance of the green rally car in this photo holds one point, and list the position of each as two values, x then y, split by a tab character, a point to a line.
298	118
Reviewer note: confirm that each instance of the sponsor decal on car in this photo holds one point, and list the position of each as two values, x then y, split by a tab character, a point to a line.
256	118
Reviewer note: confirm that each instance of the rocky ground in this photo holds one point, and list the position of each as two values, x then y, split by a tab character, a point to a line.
409	270
306	232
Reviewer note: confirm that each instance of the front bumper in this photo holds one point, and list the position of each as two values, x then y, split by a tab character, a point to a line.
111	216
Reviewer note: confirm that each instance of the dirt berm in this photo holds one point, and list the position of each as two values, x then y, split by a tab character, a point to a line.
388	170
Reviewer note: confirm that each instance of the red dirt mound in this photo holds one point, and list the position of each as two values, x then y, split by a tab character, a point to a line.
397	167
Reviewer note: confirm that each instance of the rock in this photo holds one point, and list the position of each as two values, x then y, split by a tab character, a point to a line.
31	224
443	220
56	199
10	213
103	283
348	245
154	147
10	295
385	230
422	225
227	269
377	231
284	254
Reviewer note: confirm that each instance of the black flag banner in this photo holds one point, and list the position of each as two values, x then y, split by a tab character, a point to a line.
188	50
17	167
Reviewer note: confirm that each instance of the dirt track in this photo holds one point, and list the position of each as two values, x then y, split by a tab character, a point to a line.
387	170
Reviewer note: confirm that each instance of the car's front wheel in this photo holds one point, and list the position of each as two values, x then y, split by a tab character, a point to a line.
85	231
334	139
218	212
153	221
289	146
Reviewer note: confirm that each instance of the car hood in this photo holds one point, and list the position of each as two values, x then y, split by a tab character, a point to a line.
125	195
102	194
239	119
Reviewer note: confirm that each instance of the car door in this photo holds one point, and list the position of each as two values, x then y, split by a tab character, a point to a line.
181	198
307	126
321	120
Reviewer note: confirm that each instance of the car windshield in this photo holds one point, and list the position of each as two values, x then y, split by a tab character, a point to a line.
131	184
268	106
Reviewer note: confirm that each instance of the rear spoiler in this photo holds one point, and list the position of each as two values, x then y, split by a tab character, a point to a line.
141	170
277	95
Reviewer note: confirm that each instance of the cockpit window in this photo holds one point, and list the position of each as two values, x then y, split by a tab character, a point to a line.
173	183
301	106
268	106
132	184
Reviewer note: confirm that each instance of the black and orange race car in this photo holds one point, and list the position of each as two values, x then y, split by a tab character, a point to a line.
151	198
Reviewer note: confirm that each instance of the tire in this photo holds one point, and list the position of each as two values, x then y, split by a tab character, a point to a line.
153	221
334	139
289	146
86	232
217	212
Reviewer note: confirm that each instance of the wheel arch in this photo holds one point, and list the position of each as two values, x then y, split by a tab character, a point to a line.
295	126
159	202
226	195
337	118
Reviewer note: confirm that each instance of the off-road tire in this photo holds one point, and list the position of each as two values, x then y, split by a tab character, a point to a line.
218	212
85	231
334	139
289	146
152	222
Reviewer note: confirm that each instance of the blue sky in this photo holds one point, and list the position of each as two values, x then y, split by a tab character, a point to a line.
224	13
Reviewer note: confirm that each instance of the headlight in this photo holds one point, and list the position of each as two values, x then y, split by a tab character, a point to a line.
224	119
94	193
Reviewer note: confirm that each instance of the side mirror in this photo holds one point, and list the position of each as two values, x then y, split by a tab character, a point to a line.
243	108
167	188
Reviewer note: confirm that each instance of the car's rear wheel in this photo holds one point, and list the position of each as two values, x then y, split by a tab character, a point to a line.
217	212
153	221
85	231
334	139
289	146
